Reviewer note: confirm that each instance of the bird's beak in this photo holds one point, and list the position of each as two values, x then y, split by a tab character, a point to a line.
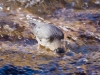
59	50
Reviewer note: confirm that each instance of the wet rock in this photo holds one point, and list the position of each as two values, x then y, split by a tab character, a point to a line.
42	66
30	41
2	72
10	69
90	72
82	61
52	68
73	62
61	74
1	59
78	73
70	53
60	68
15	70
80	70
82	49
68	73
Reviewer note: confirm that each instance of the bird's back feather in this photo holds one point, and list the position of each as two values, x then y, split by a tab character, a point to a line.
47	31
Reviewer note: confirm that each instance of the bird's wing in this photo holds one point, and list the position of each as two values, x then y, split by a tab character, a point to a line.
55	32
48	31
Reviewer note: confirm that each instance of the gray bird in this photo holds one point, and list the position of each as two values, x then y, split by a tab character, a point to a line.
48	36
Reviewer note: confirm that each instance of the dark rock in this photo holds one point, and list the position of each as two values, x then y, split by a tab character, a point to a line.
82	61
70	53
2	72
52	68
78	73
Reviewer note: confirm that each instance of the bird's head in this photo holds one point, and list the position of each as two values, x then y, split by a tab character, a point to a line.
59	50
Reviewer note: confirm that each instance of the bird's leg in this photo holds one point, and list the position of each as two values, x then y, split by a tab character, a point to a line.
38	47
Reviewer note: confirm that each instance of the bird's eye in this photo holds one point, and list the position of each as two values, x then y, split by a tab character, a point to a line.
40	39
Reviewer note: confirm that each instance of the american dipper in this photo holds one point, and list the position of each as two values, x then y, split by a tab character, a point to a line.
48	36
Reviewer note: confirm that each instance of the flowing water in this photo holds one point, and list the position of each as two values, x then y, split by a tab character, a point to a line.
78	19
